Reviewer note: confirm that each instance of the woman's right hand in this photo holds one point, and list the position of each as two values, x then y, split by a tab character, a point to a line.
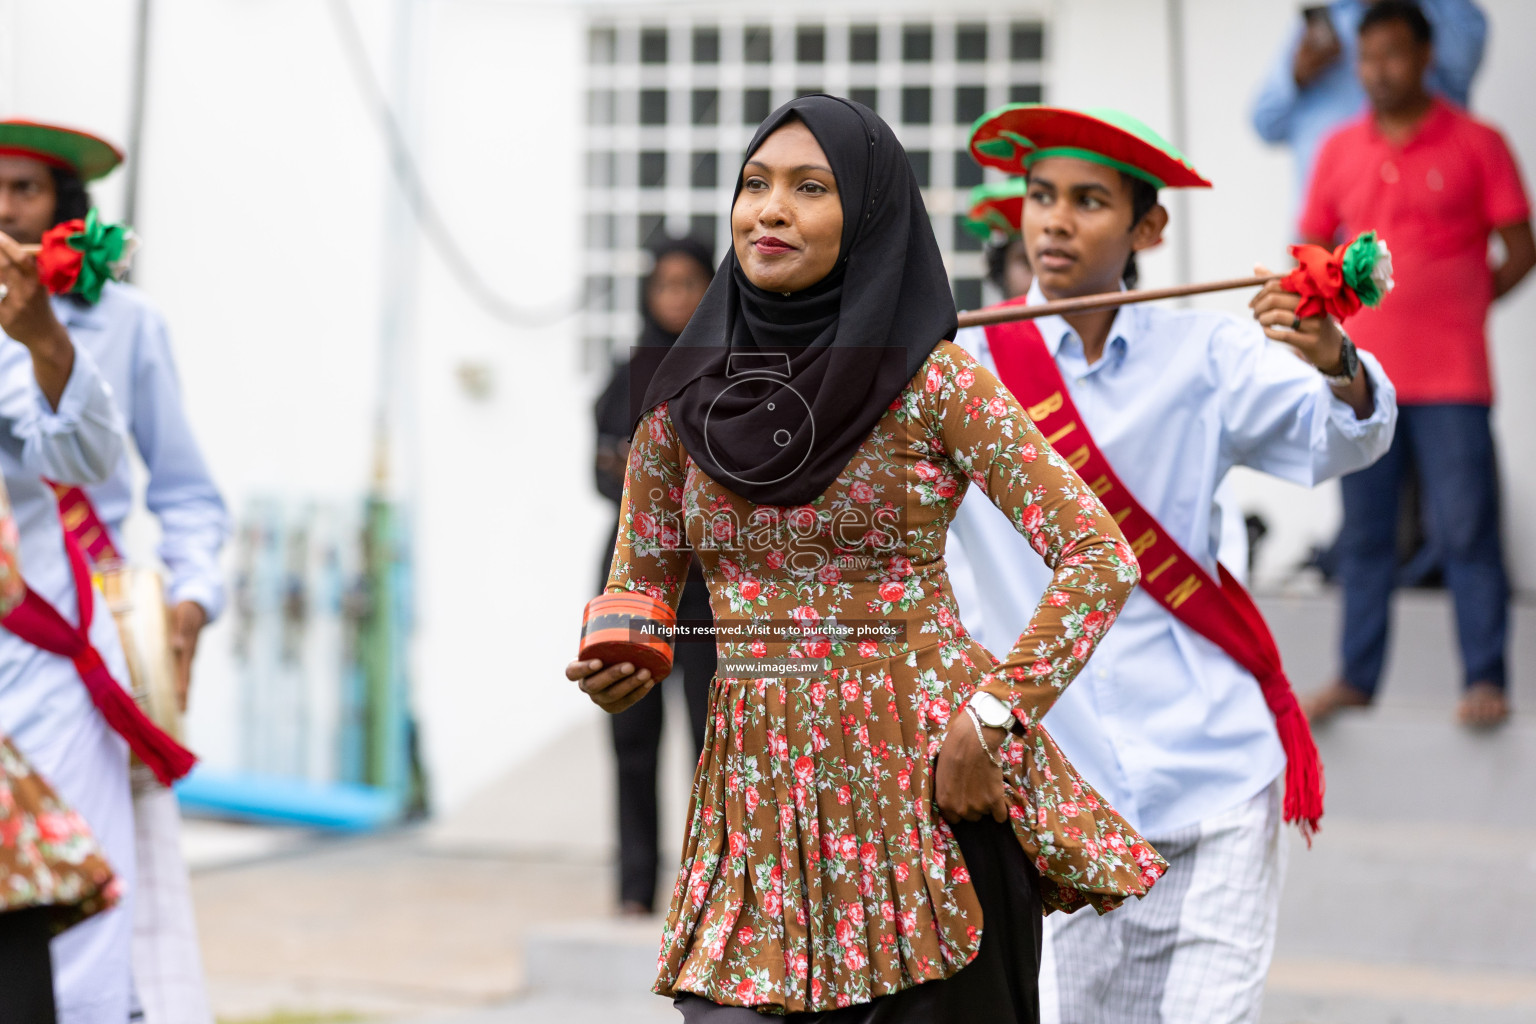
614	688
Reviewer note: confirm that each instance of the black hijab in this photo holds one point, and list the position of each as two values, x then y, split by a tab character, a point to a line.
772	394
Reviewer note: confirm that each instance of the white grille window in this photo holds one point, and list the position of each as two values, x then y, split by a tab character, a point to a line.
675	94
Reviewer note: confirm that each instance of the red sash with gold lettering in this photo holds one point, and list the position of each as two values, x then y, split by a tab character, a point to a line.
41	625
82	523
1220	610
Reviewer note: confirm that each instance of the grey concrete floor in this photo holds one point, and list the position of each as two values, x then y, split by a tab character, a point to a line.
380	927
1417	904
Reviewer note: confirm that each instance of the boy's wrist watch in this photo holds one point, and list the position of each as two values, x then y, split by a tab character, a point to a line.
993	713
1349	364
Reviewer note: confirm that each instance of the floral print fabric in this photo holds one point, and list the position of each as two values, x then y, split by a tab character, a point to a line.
817	871
48	856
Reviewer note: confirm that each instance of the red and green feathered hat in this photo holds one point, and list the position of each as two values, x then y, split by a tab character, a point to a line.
1013	137
997	206
88	156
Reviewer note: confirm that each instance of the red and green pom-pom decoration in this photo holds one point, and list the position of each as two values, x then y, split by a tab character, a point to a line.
1340	281
78	257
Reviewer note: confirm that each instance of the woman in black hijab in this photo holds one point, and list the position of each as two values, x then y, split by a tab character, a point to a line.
850	339
681	269
875	790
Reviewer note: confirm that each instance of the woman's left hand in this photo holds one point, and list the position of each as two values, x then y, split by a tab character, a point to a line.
967	785
613	688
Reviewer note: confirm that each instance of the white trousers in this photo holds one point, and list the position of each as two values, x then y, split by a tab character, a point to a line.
167	964
87	765
1196	950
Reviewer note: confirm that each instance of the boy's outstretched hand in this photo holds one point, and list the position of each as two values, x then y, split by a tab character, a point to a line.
1317	339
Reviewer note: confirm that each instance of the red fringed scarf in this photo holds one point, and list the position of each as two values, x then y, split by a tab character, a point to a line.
40	624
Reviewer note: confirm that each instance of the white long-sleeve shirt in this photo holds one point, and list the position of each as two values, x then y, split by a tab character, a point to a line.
127	336
79	443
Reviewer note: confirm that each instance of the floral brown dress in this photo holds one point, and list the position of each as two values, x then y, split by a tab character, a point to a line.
48	856
817	871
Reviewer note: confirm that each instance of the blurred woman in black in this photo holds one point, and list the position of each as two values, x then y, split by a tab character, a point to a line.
681	271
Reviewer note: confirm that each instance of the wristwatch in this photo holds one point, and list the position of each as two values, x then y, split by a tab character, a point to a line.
993	713
1349	361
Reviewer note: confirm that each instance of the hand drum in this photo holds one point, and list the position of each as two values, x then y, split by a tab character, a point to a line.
632	627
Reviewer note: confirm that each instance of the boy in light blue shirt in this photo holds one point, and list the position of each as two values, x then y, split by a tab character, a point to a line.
1170	728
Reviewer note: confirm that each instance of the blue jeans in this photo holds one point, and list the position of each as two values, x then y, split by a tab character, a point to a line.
1452	447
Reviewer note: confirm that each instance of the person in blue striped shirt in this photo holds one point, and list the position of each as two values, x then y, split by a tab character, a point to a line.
1312	89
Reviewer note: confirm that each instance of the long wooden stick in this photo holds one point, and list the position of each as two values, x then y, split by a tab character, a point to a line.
1105	300
1064	307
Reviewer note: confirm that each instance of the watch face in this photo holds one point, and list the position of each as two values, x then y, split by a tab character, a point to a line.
993	712
1349	365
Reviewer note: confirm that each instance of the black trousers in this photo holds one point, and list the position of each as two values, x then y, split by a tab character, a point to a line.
26	969
1000	986
637	745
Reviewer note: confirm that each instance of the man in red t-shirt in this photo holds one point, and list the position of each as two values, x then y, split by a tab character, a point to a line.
1435	183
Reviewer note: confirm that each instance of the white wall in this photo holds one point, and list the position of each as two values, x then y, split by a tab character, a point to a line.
1503	95
509	528
264	187
33	83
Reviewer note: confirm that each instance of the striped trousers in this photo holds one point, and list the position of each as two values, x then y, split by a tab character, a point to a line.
1194	951
167	964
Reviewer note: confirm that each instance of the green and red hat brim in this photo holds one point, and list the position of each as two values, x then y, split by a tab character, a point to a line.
1013	137
997	206
86	155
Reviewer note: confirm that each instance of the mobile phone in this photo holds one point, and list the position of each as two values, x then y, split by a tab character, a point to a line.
1320	33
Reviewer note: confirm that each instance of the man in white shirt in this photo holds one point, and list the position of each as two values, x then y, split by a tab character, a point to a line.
44	171
1169	727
